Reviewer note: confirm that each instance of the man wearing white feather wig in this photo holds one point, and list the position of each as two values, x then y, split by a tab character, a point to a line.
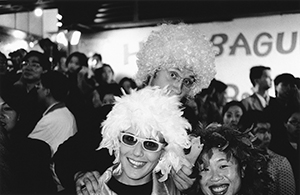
147	134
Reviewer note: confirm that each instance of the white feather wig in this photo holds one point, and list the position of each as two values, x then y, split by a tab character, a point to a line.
149	111
179	46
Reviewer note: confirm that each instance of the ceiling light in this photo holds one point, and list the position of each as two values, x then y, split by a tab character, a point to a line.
98	20
18	34
75	37
99	15
102	10
59	17
38	12
59	24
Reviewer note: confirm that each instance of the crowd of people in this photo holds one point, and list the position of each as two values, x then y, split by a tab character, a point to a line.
67	127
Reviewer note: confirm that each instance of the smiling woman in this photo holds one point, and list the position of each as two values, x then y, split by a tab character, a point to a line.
147	134
230	165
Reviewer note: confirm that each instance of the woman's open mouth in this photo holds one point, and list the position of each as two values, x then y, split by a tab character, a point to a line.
219	189
136	164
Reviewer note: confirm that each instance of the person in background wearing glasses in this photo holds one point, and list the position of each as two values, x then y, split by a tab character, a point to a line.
147	133
230	164
33	66
178	57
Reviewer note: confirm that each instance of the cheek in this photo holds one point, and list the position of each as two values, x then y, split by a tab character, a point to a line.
153	157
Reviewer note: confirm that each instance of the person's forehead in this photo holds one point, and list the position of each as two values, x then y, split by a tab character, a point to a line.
33	58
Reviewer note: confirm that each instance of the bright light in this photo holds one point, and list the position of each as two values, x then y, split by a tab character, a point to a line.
59	17
75	37
61	38
59	24
102	9
98	20
31	44
38	12
18	34
99	15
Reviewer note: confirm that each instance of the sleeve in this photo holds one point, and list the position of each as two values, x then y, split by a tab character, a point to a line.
286	181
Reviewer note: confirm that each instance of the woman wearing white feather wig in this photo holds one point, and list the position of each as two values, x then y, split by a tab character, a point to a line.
179	57
147	134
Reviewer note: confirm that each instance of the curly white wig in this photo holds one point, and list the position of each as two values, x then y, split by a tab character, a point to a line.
180	46
149	111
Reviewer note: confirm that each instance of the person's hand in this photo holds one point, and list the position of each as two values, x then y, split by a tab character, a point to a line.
196	148
182	179
87	183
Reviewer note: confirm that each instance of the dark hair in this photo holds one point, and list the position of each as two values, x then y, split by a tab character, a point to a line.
110	88
251	160
132	82
45	63
217	86
98	72
233	103
3	56
98	55
58	84
285	77
256	72
83	60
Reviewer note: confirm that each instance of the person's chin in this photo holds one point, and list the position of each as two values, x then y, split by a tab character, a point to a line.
136	169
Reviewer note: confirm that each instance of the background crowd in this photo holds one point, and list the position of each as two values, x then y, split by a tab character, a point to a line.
50	98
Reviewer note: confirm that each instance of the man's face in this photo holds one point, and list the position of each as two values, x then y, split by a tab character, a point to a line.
265	82
284	90
32	69
178	82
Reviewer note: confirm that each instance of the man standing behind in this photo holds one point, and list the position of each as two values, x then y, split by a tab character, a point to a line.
261	80
57	123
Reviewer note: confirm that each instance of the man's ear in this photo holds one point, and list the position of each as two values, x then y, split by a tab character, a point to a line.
48	92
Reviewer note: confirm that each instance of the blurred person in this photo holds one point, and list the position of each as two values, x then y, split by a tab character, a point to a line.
211	109
232	112
184	65
229	164
50	49
127	84
260	77
279	166
57	123
25	157
96	61
293	128
61	63
16	57
105	75
81	88
33	66
286	102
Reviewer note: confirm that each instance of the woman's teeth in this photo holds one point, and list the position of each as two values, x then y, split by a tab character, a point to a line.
222	189
136	164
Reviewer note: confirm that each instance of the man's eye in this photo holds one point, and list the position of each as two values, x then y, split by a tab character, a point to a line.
173	75
224	166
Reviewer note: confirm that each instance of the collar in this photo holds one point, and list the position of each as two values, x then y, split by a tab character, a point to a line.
53	107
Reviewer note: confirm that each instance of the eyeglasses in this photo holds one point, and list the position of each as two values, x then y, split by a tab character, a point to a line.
294	122
35	65
174	76
148	145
